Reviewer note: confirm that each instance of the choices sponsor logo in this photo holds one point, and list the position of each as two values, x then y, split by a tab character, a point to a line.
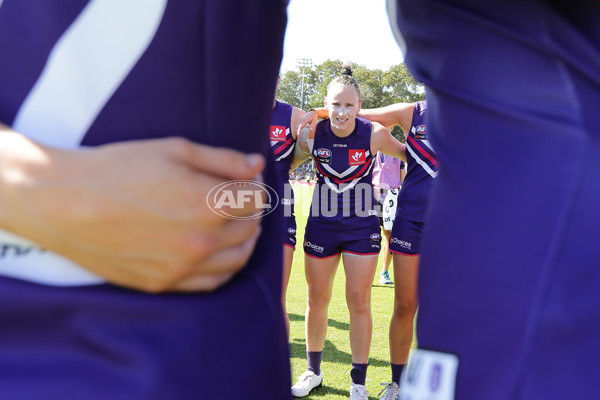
315	247
229	198
399	242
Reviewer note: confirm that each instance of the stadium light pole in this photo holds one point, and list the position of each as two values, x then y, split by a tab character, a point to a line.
302	64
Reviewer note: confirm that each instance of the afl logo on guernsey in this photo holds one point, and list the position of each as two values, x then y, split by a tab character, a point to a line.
421	132
277	133
324	156
357	157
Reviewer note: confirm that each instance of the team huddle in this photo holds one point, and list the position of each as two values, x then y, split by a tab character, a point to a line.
118	282
345	217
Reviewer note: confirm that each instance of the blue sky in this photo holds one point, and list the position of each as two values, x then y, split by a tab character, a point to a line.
349	30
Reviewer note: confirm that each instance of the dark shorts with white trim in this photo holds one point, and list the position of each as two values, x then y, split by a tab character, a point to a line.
289	231
323	241
406	237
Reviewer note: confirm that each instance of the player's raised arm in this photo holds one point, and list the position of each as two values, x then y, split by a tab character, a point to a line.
395	114
312	117
382	140
297	116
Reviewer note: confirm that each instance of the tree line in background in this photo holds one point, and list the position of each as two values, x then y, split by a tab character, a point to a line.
378	88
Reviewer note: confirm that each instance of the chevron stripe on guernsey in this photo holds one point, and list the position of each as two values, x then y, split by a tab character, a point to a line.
333	186
332	171
422	155
343	176
354	179
287	146
363	171
287	153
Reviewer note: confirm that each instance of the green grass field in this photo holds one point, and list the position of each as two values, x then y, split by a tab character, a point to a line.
337	359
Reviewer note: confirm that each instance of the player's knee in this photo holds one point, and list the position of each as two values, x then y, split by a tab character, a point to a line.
318	300
358	303
404	307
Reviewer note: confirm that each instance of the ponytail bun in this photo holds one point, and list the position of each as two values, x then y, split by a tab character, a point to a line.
346	70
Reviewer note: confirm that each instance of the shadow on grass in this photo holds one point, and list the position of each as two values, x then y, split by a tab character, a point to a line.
377	285
332	323
295	317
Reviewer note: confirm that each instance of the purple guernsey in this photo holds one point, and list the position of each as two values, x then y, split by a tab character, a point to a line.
345	166
422	168
85	73
508	284
282	146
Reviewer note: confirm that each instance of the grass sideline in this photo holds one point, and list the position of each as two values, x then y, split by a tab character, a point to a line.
337	359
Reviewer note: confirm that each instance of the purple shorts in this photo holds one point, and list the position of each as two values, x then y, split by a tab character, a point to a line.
406	237
322	241
289	232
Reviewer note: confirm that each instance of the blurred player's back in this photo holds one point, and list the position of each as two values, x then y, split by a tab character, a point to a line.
79	73
509	274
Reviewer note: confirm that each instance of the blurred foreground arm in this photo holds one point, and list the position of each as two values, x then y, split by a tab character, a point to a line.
134	213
